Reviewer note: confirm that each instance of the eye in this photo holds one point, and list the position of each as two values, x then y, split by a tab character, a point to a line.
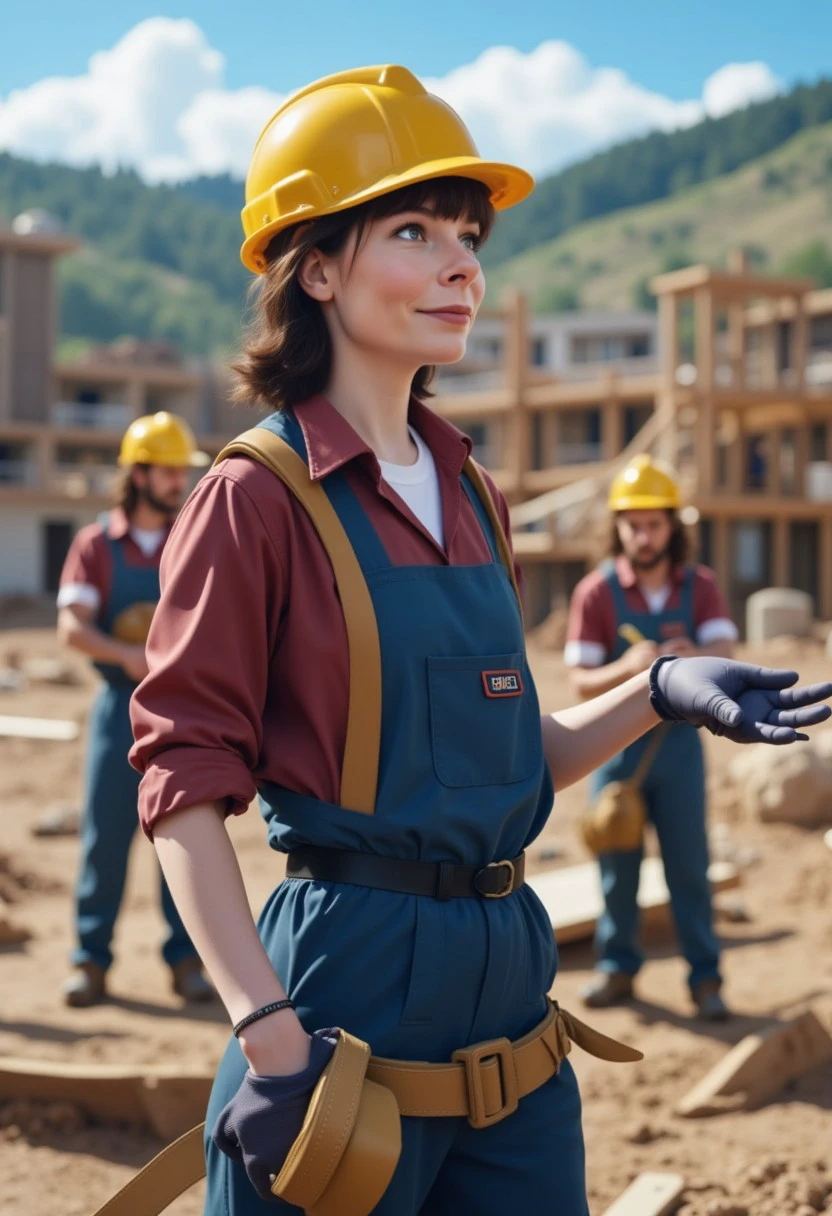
471	240
411	232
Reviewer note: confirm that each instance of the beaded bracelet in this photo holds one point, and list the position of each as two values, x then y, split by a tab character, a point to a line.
261	1013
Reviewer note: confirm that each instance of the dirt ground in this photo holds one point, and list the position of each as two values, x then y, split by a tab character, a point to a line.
775	1161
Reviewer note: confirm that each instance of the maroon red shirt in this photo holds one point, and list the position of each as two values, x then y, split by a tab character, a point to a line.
592	633
89	562
248	653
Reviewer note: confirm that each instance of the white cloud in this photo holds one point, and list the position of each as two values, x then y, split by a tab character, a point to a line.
737	85
157	101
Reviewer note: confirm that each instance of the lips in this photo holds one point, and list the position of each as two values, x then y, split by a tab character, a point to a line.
454	314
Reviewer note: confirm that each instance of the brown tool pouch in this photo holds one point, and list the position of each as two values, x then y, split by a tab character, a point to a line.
615	822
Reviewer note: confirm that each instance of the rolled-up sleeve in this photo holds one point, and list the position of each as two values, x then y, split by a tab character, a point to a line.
197	716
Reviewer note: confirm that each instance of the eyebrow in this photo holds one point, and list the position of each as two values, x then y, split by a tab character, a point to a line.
434	214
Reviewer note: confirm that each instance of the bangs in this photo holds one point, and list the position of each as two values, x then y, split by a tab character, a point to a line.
452	198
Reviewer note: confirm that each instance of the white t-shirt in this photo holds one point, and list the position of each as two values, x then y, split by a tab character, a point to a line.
418	485
656	600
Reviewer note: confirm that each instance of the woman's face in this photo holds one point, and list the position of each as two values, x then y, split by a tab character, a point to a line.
410	293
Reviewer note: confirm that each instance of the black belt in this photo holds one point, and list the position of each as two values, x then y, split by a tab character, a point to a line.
440	879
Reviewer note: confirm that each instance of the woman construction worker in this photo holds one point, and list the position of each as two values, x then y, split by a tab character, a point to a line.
339	632
109	589
647	601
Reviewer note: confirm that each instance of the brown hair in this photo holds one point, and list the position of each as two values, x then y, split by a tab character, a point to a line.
125	491
678	549
288	353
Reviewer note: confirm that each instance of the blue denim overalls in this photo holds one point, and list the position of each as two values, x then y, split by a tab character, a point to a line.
462	778
674	790
110	819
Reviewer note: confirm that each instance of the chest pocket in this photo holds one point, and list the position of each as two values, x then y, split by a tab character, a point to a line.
482	723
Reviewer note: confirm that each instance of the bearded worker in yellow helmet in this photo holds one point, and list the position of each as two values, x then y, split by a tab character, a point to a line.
647	600
108	593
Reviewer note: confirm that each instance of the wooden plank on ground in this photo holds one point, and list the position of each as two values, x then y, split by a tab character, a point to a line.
38	728
759	1066
168	1100
572	894
649	1195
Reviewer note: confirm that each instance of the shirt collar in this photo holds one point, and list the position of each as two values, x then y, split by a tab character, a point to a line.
627	575
331	442
118	524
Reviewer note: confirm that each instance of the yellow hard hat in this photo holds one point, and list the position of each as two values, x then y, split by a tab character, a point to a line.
645	485
161	439
350	138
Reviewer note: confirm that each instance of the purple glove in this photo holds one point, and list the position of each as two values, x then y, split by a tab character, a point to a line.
745	703
263	1119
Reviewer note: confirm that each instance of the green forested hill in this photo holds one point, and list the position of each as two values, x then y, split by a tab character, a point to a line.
779	208
163	262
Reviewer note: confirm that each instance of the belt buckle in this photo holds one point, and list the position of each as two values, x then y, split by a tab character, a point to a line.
472	1058
507	889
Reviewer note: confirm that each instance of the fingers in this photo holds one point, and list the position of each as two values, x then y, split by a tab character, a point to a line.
765	732
768	677
801	717
807	695
725	711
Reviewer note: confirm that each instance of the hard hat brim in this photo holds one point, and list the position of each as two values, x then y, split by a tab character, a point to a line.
508	185
645	502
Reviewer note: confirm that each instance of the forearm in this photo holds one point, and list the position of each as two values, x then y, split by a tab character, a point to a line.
92	642
589	682
201	869
579	739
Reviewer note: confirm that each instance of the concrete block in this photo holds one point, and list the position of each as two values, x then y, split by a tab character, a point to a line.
775	611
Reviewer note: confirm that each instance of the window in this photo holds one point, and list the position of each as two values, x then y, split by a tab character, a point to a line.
539	352
639	346
635	417
756	463
750	553
818	442
479	435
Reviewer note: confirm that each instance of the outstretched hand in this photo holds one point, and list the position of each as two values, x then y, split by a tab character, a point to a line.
745	703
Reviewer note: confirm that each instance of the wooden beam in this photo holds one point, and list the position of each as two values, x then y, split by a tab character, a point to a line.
38	728
650	1195
559	394
760	1066
799	345
704	359
166	1099
780	552
825	575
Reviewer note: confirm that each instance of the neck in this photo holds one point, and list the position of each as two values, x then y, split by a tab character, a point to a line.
147	518
656	577
374	398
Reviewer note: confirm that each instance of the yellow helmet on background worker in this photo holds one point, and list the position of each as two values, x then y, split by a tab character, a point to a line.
645	485
164	439
352	137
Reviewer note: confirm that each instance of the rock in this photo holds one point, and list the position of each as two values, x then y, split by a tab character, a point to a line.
786	785
775	611
726	1207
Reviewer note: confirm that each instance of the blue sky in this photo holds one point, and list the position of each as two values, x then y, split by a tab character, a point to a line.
186	91
663	45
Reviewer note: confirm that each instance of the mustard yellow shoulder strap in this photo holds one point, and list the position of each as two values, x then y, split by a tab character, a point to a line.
359	775
478	482
168	1175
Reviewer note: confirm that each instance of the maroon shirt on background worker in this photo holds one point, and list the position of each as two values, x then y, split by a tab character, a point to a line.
274	709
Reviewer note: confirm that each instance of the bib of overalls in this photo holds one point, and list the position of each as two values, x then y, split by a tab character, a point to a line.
129	585
658	627
462	778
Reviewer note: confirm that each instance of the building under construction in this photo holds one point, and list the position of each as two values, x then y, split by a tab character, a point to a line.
731	382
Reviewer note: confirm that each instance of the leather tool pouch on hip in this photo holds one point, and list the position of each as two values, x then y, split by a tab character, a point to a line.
615	823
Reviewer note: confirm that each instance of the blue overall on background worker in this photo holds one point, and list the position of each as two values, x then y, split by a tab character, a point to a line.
108	592
647	600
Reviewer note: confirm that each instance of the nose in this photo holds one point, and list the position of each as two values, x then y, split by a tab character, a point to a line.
462	266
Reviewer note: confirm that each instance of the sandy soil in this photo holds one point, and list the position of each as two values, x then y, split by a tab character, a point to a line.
775	1161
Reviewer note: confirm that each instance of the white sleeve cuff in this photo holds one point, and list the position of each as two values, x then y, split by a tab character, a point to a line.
718	629
79	593
584	654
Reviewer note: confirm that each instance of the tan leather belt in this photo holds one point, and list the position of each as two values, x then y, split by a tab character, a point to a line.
483	1083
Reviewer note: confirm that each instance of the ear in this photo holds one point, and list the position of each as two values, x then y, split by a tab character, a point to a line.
316	276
